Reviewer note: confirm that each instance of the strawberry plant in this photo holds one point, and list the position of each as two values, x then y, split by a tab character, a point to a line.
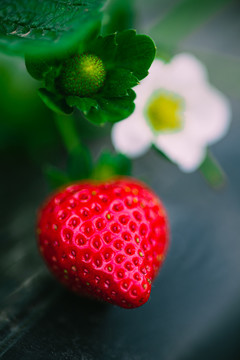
121	220
102	232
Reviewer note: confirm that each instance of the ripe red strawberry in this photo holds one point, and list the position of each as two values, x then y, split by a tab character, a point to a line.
106	240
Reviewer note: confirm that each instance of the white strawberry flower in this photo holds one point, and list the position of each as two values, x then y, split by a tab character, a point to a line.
178	111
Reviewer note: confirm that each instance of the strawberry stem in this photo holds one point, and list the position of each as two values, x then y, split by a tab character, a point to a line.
79	162
67	129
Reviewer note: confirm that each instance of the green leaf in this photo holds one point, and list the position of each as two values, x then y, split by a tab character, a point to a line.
118	82
55	177
44	27
109	165
55	102
83	104
212	171
105	48
135	52
112	110
79	163
37	67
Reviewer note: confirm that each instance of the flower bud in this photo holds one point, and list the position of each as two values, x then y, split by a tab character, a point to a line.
81	75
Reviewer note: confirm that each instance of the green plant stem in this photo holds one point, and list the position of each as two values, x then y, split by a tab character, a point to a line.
67	129
79	160
212	171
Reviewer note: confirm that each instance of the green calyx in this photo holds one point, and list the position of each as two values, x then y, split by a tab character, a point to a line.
99	79
81	75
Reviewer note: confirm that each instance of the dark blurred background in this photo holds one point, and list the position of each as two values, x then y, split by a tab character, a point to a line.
194	309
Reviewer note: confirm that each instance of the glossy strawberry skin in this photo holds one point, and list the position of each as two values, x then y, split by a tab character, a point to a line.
105	240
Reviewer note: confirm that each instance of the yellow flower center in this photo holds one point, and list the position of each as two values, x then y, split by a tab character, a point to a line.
165	112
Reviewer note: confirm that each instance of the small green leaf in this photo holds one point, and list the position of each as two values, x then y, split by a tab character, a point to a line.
105	48
55	177
135	52
79	163
109	165
112	110
212	171
55	102
37	67
50	77
83	104
118	82
131	94
46	26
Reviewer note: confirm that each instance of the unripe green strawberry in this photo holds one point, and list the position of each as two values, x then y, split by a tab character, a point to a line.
81	75
105	240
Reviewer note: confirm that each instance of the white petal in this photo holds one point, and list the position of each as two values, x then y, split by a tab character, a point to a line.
132	136
179	76
161	76
186	68
208	116
187	154
149	85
